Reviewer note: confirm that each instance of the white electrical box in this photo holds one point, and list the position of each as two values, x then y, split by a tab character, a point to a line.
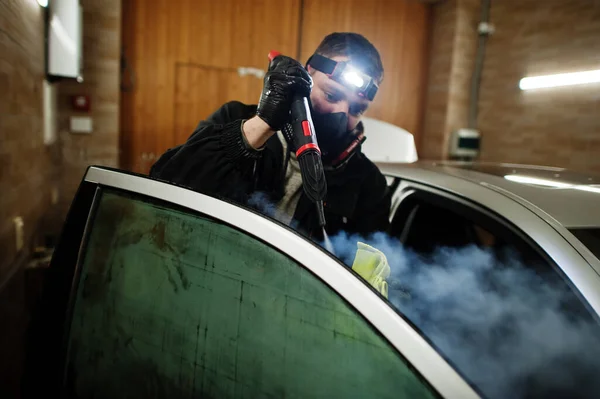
65	39
81	124
50	113
464	143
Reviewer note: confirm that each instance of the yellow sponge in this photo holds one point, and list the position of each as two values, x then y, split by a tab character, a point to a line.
372	265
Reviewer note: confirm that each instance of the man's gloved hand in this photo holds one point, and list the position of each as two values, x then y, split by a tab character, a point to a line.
285	78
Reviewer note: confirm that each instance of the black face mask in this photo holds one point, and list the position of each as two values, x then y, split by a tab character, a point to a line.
333	135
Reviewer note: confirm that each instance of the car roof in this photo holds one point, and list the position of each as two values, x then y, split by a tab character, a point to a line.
572	198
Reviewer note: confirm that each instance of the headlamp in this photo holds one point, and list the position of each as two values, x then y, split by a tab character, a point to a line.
344	73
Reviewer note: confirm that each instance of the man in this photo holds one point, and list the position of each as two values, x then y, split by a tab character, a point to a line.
239	151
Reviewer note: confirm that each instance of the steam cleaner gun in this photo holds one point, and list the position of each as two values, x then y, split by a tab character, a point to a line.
302	131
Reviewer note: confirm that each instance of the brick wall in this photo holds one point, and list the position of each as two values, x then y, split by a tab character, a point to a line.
559	126
31	170
453	44
28	168
443	28
556	127
101	54
463	63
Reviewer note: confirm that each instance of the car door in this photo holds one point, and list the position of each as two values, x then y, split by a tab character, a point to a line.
158	291
490	298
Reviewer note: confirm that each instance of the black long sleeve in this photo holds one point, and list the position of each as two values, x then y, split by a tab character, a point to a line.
215	159
374	204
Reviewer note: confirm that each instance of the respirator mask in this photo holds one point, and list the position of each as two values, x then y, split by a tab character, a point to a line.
336	142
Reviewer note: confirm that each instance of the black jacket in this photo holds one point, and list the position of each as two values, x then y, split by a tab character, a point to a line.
216	161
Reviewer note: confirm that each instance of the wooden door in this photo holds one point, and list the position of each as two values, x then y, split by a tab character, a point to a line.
200	89
185	55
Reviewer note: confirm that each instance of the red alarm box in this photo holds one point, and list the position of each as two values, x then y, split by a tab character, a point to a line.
81	103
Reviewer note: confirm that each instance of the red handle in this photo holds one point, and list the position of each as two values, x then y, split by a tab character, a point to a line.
273	54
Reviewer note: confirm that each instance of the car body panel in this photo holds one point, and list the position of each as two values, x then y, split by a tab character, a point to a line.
575	260
554	201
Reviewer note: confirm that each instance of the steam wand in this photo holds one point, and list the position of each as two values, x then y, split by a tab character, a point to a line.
308	153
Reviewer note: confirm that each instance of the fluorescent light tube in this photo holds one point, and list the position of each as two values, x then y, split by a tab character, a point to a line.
562	79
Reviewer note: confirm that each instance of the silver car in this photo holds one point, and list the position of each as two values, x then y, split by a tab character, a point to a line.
158	291
550	210
539	228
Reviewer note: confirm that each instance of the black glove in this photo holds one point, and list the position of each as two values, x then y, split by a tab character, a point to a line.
284	78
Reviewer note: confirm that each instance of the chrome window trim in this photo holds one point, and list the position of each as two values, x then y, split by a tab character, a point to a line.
583	272
396	330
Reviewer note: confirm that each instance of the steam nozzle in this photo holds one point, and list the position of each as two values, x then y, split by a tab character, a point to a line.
302	132
308	153
320	213
313	180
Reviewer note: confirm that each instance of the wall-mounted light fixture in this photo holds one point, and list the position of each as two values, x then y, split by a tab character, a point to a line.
43	3
562	79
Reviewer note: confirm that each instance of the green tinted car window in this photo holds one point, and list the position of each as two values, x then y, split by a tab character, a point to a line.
173	304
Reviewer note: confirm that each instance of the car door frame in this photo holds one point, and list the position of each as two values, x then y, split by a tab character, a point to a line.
417	351
522	219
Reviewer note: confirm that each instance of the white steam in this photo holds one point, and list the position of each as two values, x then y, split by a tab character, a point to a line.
509	331
263	204
507	328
